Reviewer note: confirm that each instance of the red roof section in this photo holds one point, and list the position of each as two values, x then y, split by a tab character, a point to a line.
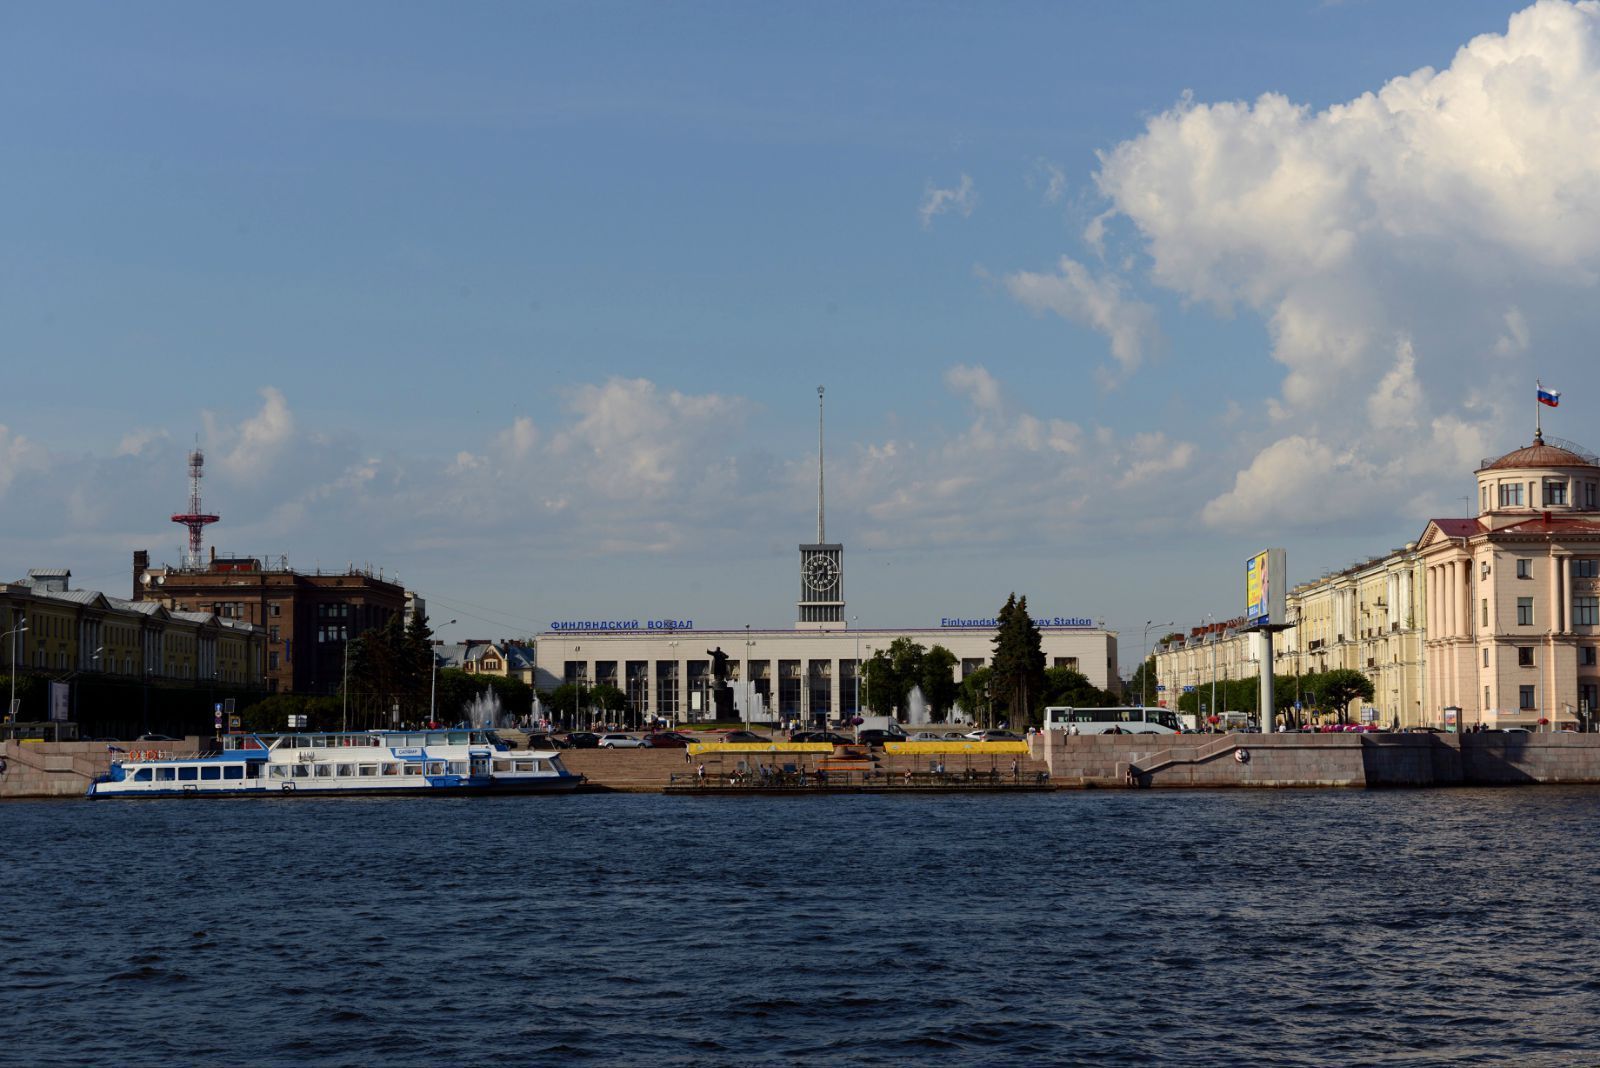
1555	524
1458	528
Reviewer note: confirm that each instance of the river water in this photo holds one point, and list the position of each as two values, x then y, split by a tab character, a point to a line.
1441	927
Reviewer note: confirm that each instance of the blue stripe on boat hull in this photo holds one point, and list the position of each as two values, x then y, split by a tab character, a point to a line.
539	786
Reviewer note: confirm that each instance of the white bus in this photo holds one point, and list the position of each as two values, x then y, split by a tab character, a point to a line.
1112	720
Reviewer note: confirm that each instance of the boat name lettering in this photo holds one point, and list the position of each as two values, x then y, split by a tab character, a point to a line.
408	750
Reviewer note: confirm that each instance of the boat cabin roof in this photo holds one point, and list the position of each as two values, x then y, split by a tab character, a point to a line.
360	739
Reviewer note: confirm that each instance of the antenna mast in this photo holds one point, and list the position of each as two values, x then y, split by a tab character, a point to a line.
820	534
195	519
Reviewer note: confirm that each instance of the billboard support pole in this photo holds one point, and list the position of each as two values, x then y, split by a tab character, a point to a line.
1264	700
1265	611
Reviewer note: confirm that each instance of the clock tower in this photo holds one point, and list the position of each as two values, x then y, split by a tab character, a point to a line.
821	601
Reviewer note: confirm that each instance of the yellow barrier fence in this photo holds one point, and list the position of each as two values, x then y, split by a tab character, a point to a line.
956	747
760	747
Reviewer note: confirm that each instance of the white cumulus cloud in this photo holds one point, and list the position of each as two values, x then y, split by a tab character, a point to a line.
1403	249
1099	302
961	198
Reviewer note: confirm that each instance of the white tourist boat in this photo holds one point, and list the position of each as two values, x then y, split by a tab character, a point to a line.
444	762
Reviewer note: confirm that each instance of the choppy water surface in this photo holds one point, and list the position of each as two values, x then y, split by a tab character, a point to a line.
1305	927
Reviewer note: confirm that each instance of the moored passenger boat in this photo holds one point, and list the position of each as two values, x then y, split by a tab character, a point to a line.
444	762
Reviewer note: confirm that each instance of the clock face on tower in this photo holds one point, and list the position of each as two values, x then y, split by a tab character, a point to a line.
820	573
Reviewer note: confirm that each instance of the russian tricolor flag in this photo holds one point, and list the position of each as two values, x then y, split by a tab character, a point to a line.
1552	397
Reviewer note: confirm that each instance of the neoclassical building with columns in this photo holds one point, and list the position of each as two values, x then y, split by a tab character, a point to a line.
1514	594
1491	620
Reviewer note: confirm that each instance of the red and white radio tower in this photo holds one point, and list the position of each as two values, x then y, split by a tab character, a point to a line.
195	520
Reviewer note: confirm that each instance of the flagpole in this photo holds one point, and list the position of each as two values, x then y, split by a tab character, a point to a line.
1538	416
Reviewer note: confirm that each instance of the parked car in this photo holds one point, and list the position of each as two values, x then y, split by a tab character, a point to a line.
995	736
822	736
925	736
875	736
621	741
546	741
667	740
583	740
746	738
155	738
953	736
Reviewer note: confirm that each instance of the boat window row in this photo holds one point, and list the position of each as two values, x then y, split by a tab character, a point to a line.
196	773
399	769
372	741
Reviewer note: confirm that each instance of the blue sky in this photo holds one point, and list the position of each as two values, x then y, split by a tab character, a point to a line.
528	302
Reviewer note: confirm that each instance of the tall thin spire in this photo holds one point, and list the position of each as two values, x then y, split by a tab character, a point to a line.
821	536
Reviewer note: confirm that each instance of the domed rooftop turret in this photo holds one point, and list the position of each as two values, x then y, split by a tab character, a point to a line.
1540	454
1553	476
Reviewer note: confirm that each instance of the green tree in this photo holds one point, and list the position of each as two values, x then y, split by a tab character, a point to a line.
1339	687
1143	687
891	673
1018	663
416	651
456	690
938	682
1064	686
974	696
607	699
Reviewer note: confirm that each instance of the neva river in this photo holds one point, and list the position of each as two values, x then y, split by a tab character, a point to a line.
1442	927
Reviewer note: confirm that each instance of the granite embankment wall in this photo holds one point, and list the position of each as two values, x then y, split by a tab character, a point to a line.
652	769
51	769
1284	760
65	769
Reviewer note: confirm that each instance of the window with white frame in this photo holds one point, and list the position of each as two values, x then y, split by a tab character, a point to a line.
1585	611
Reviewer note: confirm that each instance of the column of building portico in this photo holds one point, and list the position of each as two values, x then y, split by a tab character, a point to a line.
1461	661
1556	684
1555	596
1447	648
1458	628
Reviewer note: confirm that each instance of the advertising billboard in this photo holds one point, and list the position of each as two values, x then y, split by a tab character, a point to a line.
1264	589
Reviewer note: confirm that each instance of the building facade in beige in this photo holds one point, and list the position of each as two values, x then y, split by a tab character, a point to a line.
1514	598
1489	621
55	630
802	674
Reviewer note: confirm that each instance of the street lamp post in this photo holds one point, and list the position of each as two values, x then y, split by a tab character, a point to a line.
677	713
433	675
748	678
853	621
1144	669
1211	637
11	708
76	685
577	691
344	686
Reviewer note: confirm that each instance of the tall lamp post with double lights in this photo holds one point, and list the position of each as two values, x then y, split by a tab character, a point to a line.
677	713
433	675
11	707
853	621
1144	664
748	678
